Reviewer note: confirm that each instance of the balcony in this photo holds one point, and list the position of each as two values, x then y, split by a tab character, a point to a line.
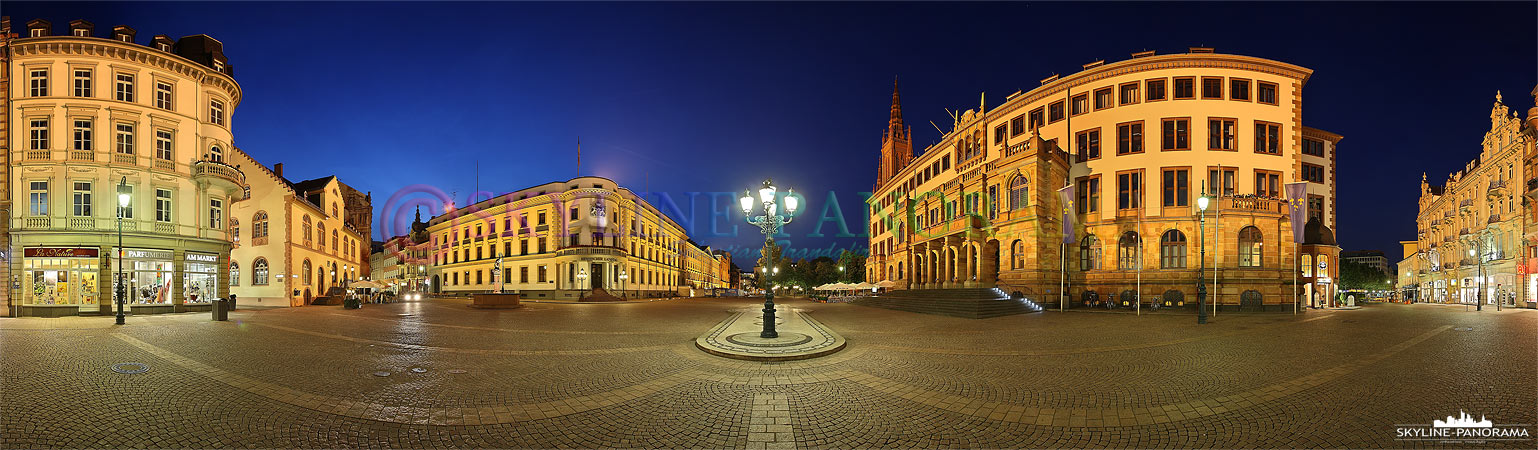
1497	188
39	155
82	155
1466	205
218	172
124	158
591	250
38	222
1494	218
165	165
1532	185
1462	232
1253	204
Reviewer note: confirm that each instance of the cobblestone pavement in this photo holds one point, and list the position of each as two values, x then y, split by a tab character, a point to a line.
439	374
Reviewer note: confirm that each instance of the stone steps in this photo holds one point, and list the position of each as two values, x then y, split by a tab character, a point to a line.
972	303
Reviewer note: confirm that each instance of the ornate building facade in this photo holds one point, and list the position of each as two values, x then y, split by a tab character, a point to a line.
294	241
1137	142
558	240
91	116
1470	229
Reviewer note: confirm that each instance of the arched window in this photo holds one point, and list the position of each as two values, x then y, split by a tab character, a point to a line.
1249	247
334	241
259	228
1172	250
1017	253
306	225
334	210
1019	193
320	230
235	231
1174	297
305	269
215	154
1089	253
259	272
1127	251
1307	265
234	273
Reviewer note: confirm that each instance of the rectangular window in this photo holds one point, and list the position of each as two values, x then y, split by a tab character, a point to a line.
82	199
1226	177
163	149
1185	87
1268	184
1088	192
1080	104
1017	125
523	274
39	130
1314	173
1088	144
1129	93
216	112
82	83
82	134
1038	118
1155	90
1212	88
1103	98
1316	207
163	205
1055	112
1129	138
1239	89
999	133
1268	138
1265	92
1220	133
540	244
215	214
1129	190
125	139
1177	187
541	219
163	95
37	195
1177	134
38	83
125	87
1313	147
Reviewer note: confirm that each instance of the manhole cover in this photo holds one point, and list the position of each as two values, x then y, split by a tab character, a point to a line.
418	370
381	374
457	371
130	368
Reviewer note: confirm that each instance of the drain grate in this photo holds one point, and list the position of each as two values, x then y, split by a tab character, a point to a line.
418	370
130	368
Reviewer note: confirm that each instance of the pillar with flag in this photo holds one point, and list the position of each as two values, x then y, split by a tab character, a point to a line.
1297	198
1065	198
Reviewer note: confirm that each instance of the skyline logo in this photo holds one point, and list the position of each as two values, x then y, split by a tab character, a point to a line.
1462	429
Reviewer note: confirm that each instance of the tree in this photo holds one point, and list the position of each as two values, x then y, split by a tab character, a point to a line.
1355	275
854	266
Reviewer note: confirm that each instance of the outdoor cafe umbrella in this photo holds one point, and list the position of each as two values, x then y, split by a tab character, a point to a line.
366	284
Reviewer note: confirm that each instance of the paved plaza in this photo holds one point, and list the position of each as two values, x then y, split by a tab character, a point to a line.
439	374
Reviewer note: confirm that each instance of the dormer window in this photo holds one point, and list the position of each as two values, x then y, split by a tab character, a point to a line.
219	66
125	38
164	47
38	32
83	32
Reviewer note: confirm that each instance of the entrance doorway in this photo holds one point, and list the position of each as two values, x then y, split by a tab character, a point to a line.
595	272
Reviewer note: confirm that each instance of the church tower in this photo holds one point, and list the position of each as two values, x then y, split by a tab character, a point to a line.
896	142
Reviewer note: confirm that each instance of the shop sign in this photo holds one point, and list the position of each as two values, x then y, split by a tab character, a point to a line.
1322	280
147	254
61	252
202	257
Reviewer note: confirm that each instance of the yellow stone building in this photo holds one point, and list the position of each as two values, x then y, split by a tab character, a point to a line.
558	240
294	242
1469	229
86	112
1137	140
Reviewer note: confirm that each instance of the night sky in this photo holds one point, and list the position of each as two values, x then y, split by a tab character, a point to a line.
679	98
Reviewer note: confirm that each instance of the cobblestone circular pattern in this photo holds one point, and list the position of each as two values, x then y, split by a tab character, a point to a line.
753	340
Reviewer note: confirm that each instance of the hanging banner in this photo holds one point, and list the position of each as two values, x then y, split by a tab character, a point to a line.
1065	198
1297	200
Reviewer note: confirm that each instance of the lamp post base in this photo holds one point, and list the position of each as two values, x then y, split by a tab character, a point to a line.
769	332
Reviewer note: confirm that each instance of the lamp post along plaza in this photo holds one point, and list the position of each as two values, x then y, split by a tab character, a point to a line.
582	282
1201	285
769	223
623	282
123	197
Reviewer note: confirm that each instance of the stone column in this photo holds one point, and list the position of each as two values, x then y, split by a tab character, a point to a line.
106	295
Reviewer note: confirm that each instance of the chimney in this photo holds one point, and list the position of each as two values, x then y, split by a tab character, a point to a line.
277	169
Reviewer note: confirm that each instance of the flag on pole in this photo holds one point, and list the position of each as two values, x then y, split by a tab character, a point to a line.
1297	198
1065	198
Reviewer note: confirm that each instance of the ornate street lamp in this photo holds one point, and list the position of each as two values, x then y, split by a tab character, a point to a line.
1201	286
582	281
769	223
623	281
123	196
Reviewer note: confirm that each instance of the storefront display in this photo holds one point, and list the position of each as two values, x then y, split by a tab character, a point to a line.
61	276
149	275
200	279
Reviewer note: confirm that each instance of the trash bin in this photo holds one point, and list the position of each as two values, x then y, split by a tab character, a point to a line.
233	305
221	310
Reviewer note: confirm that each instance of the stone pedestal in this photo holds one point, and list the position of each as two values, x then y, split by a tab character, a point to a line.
495	301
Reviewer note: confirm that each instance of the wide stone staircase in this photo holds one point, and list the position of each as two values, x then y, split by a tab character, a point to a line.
971	303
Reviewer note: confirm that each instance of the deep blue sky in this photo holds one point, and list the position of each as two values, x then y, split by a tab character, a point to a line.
713	97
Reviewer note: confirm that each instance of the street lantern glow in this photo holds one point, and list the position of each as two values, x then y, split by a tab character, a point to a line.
790	201
122	193
746	201
766	193
1201	203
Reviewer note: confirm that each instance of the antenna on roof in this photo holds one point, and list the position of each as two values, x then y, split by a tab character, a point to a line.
937	127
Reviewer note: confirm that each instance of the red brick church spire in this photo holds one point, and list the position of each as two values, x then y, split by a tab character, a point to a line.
896	142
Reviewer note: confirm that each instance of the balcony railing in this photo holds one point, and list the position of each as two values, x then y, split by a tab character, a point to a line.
218	170
1462	232
594	250
1253	204
124	158
163	164
82	155
1494	218
38	222
39	155
81	223
1532	185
